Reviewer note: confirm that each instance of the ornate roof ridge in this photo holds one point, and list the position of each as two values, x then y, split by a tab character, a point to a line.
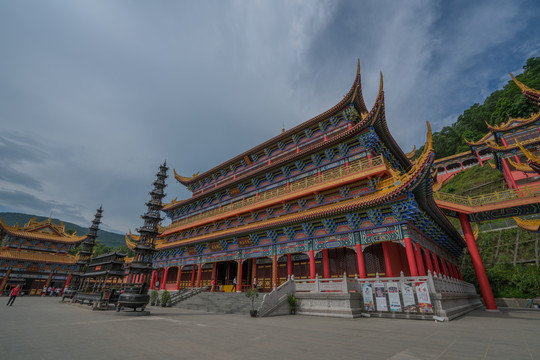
449	157
527	91
26	232
532	225
278	163
497	147
519	167
355	93
29	255
514	123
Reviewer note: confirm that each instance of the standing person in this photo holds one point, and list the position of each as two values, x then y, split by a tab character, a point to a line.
213	283
44	292
233	285
49	291
13	295
254	282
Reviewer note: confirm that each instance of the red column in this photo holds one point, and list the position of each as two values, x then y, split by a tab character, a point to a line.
387	263
427	257
289	265
436	264
179	277
193	276
49	280
164	280
515	156
419	261
312	264
459	273
67	281
326	265
451	270
479	159
199	275
4	280
444	268
275	270
360	259
239	276
153	279
410	256
485	288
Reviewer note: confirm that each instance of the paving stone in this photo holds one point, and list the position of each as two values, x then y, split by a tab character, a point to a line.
44	328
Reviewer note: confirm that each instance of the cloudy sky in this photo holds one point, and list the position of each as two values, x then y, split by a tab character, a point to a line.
94	95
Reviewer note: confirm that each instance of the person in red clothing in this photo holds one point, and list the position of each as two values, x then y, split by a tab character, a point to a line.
13	295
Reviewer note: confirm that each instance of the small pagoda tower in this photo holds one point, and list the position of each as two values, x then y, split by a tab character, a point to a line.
87	247
144	249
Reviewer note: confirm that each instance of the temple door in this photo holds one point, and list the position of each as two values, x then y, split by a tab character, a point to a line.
206	274
374	260
172	277
282	270
264	274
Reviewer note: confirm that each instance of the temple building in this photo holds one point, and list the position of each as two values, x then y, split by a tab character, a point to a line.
334	195
36	255
511	147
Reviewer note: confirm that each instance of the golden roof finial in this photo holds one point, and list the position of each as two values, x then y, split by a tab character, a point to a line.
358	69
526	152
429	140
411	154
183	179
519	83
381	84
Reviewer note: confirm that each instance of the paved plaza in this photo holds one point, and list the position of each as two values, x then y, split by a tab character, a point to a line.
44	328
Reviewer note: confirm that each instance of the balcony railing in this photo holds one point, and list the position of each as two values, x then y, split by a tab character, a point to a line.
492	198
354	167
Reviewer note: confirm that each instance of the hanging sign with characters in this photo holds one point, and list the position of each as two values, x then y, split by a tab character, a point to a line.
367	293
380	297
407	291
393	296
424	302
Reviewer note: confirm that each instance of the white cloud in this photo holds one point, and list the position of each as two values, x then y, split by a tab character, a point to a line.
109	90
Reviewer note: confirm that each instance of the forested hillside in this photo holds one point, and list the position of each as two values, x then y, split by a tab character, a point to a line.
496	109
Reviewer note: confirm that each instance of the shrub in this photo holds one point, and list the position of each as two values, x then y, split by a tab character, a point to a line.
165	299
154	297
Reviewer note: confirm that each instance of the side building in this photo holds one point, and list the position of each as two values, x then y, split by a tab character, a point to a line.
36	255
511	146
334	195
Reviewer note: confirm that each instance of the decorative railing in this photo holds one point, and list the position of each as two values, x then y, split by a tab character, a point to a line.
354	167
496	197
278	296
393	299
437	283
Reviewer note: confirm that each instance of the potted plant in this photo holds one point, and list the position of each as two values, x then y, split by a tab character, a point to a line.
153	297
165	299
293	302
252	294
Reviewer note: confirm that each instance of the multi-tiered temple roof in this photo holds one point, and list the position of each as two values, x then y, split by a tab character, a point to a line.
337	173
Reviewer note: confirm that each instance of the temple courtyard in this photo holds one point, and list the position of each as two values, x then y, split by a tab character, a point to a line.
45	328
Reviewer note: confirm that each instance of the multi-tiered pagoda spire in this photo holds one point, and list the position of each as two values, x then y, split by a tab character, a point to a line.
145	248
84	256
87	247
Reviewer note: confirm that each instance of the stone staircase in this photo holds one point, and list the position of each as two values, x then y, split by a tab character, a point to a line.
218	302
